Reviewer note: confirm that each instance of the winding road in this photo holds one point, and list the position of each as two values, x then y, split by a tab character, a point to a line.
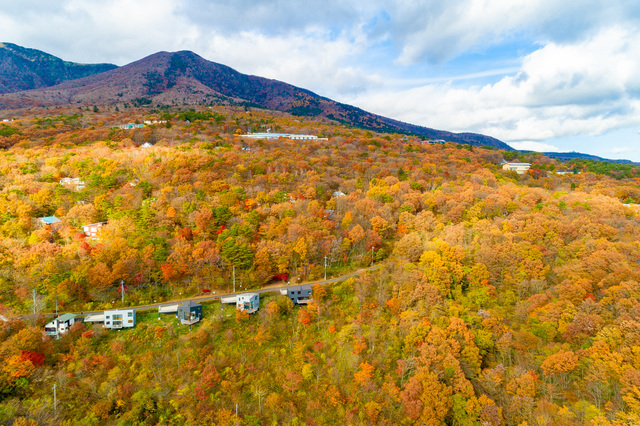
269	289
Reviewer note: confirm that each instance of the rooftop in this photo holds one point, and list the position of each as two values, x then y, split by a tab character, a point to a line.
66	317
50	219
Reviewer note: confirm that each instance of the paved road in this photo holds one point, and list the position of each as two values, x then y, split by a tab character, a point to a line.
269	289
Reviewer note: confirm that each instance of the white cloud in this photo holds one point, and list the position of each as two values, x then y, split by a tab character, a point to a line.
312	60
534	146
440	30
621	150
588	87
98	31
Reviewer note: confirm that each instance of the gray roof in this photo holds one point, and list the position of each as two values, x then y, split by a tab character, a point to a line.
190	303
299	287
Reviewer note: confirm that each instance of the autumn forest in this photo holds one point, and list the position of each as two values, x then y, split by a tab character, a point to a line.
496	298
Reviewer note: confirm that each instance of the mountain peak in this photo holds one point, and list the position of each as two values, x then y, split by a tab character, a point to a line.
178	78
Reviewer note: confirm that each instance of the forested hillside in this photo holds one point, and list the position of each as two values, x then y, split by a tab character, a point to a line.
25	69
501	299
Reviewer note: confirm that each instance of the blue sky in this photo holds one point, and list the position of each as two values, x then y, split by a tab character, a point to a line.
542	74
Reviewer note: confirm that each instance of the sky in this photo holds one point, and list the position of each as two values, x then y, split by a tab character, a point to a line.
543	75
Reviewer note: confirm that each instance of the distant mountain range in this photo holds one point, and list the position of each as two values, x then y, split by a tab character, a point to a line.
568	156
31	78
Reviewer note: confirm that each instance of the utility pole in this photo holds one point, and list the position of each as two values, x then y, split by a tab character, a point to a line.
55	400
325	267
234	278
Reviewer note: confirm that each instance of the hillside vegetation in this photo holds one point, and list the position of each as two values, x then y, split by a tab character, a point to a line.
500	298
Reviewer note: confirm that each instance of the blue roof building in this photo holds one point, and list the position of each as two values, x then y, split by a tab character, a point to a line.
50	220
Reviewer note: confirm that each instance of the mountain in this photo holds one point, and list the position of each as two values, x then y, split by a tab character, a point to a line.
568	156
25	69
186	78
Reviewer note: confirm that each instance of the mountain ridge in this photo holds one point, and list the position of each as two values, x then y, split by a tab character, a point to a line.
26	69
573	155
185	77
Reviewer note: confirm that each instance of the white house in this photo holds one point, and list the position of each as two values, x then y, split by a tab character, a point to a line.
92	230
248	302
125	318
60	325
519	168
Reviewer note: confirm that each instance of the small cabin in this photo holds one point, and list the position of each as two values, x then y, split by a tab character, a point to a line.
248	302
118	319
189	312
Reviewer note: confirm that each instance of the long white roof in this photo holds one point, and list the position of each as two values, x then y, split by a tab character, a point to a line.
94	318
166	309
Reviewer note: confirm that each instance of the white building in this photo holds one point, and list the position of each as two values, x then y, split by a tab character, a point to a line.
519	168
60	325
128	126
248	302
282	135
125	318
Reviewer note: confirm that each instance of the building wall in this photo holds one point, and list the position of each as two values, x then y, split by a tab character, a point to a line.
185	312
300	294
518	168
127	318
56	327
248	302
91	230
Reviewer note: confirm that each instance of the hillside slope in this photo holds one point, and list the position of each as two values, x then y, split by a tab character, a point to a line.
498	298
